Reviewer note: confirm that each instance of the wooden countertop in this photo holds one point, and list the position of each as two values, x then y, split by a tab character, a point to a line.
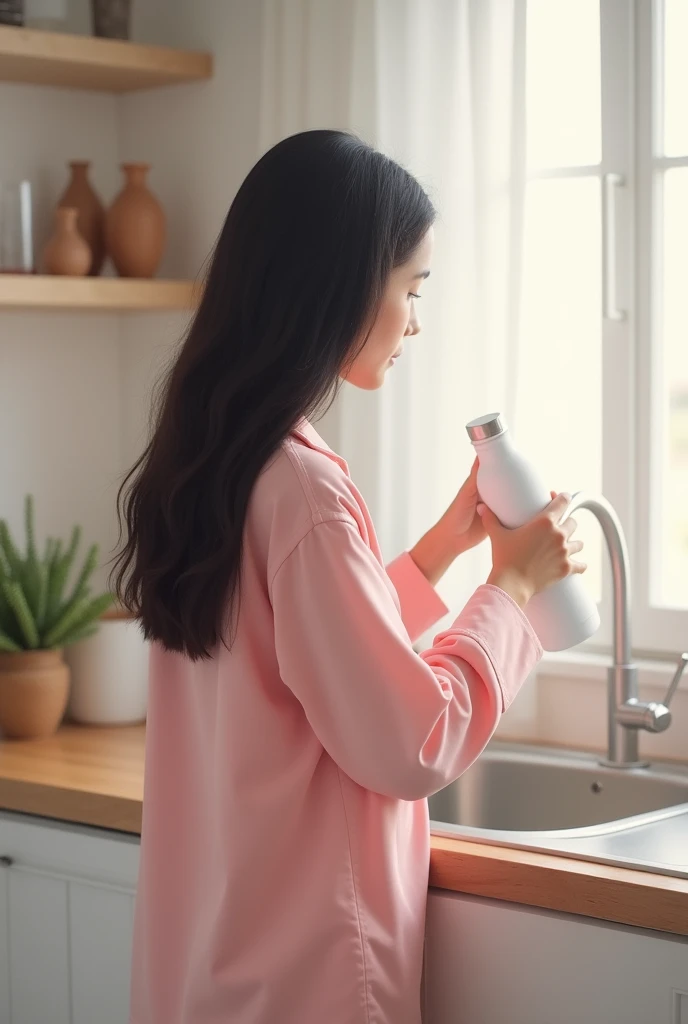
94	776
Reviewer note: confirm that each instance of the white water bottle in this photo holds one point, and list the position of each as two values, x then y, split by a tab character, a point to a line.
563	614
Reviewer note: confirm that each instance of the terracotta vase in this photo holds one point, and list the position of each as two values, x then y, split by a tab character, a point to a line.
66	252
135	226
34	687
91	218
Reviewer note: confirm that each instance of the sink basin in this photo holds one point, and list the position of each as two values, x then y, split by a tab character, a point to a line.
570	805
522	789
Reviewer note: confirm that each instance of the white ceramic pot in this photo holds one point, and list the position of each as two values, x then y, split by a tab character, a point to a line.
109	674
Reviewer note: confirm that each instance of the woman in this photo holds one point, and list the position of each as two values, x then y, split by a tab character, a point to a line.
293	732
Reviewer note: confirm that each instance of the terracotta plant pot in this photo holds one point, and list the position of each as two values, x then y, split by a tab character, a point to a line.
111	18
66	252
90	220
34	687
135	226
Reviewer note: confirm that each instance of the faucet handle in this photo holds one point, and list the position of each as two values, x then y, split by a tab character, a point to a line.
637	714
682	662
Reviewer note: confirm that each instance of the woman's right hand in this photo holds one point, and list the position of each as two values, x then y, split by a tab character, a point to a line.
531	557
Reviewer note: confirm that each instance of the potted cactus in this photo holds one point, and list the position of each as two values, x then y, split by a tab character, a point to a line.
37	619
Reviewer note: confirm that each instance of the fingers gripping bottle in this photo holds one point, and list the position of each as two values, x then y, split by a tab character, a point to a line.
563	615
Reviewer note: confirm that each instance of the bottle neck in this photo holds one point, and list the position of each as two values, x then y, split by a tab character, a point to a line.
500	442
135	174
79	169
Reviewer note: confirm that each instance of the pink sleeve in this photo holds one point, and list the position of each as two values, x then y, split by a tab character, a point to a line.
399	723
421	605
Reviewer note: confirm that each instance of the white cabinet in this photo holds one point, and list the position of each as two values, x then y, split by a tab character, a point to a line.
66	920
489	962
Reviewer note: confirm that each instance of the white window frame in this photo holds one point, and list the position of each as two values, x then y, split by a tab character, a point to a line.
631	84
655	629
617	336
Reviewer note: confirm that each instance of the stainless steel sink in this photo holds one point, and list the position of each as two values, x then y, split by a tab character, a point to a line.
513	788
568	803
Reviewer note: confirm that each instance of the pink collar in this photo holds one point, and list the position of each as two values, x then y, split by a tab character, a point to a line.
305	432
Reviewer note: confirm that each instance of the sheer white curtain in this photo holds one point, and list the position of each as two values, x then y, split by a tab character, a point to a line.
439	86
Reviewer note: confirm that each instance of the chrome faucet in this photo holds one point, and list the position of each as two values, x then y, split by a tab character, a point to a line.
626	714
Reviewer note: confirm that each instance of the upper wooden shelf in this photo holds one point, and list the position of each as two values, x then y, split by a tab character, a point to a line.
102	65
118	294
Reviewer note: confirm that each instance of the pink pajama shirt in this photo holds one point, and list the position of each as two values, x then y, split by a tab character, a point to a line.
285	845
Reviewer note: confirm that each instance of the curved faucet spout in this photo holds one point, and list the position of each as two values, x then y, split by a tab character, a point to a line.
621	571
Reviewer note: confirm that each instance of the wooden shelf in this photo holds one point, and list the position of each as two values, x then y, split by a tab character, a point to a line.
103	65
31	291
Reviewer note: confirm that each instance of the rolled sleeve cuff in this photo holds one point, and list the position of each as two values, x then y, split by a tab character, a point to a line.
421	605
494	619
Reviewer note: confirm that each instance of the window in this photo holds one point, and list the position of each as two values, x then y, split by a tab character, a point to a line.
604	303
561	327
669	562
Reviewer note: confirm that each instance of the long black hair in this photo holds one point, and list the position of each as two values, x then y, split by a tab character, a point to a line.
292	290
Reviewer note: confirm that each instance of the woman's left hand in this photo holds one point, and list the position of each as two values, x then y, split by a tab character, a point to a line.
461	523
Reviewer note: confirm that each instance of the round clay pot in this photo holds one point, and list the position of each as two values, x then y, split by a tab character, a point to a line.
90	221
34	687
66	252
135	226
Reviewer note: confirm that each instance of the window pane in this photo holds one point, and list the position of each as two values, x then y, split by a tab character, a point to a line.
675	77
563	83
672	560
559	391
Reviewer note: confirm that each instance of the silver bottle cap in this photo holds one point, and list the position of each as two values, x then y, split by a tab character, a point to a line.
485	427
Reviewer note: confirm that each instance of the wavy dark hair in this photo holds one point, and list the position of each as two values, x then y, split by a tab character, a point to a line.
291	293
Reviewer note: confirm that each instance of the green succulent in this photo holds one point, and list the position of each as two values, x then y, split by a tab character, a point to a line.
35	613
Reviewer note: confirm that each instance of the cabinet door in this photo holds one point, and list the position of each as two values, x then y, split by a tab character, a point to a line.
39	955
4	947
489	962
100	932
66	921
